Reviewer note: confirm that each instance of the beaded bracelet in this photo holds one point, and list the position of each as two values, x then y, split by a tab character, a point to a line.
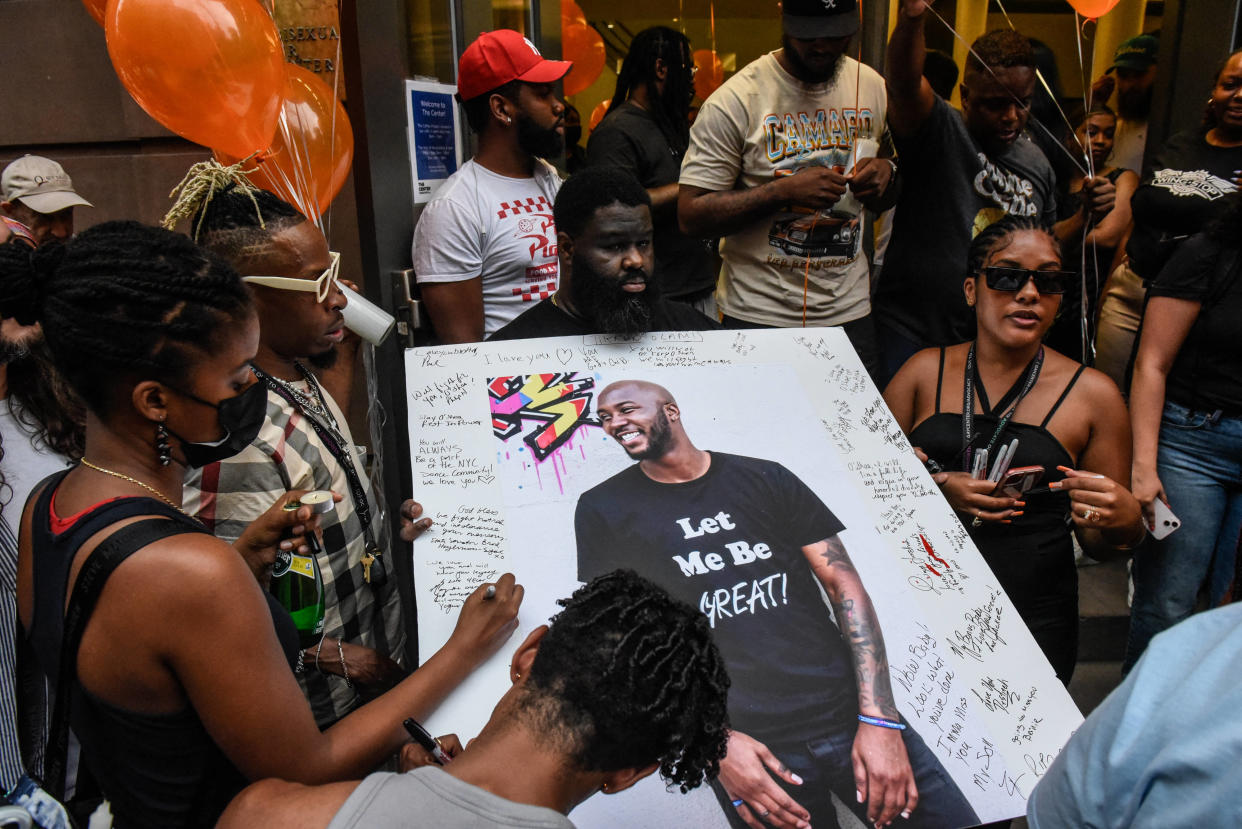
300	665
881	722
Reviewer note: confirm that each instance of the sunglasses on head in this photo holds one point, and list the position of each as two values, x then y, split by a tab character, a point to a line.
321	285
1014	279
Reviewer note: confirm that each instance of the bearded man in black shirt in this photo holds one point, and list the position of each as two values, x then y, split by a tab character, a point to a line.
749	544
607	266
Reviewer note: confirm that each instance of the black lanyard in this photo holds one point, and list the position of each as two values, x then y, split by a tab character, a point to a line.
335	444
968	403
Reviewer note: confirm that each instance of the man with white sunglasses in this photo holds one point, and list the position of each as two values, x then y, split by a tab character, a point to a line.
306	443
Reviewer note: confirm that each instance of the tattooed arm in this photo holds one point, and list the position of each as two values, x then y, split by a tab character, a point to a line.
882	771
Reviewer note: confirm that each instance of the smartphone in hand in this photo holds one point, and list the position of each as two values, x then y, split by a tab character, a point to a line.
1017	481
1164	523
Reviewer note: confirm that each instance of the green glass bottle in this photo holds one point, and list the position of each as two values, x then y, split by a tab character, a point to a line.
298	585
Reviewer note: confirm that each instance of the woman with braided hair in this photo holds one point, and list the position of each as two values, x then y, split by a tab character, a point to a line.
181	688
1006	388
626	680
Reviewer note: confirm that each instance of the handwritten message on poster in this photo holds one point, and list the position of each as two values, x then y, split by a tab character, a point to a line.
508	446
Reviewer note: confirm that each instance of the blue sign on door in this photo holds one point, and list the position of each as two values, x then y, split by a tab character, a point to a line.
435	139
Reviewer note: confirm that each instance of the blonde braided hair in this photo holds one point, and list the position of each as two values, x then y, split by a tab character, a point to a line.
201	182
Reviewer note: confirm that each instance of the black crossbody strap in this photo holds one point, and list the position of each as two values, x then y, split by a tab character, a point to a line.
99	565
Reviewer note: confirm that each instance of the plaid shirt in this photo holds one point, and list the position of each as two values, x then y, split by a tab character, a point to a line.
287	454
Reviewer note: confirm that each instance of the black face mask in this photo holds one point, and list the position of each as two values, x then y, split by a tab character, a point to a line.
240	417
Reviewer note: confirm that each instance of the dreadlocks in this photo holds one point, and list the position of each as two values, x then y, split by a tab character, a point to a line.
234	230
121	299
628	675
671	109
228	215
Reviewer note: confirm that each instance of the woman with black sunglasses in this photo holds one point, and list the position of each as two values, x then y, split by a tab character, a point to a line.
1008	395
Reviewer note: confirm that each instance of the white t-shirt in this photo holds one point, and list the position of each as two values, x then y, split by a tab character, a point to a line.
763	123
24	465
483	223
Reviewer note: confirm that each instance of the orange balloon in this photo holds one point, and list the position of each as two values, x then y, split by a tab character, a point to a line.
97	9
597	114
571	13
710	75
1093	8
311	155
212	71
583	45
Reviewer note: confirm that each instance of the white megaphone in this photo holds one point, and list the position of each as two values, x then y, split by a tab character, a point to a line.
365	318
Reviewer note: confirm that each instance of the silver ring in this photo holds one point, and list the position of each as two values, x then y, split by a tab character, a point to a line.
764	813
978	522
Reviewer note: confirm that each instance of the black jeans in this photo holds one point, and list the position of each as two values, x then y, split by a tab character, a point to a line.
860	331
824	763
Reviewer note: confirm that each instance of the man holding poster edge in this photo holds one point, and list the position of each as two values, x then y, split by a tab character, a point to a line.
750	544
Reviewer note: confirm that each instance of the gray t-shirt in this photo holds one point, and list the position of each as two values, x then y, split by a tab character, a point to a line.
795	266
438	799
950	190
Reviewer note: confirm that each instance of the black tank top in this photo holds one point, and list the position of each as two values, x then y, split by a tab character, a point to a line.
940	436
158	770
1032	558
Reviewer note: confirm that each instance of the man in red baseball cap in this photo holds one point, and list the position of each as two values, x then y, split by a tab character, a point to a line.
485	246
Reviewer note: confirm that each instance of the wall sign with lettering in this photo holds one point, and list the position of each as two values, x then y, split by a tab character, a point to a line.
434	136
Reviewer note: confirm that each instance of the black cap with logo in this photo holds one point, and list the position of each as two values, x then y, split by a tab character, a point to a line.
812	19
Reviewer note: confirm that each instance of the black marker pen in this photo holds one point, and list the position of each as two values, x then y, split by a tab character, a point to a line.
428	742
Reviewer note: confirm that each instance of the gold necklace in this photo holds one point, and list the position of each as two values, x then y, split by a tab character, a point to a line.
147	487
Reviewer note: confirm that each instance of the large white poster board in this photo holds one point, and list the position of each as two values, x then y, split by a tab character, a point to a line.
505	441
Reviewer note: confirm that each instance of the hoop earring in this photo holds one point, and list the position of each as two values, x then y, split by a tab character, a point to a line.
162	452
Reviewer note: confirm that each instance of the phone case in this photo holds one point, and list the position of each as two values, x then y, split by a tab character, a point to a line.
1017	481
1165	521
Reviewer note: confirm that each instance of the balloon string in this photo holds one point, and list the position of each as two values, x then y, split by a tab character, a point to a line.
711	17
1088	347
336	97
1052	96
305	175
1038	74
806	270
1005	12
991	72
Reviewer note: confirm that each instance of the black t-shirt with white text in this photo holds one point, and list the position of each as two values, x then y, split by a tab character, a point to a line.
730	543
1180	194
950	190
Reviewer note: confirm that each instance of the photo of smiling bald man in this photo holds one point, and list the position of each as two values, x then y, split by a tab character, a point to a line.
748	543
